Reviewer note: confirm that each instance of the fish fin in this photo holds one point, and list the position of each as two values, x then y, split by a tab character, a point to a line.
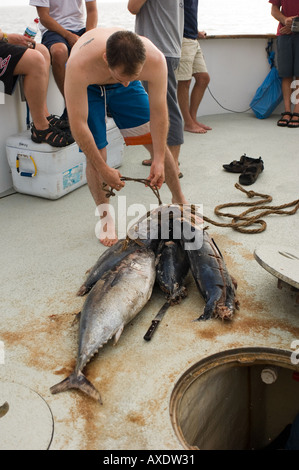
82	291
80	382
118	333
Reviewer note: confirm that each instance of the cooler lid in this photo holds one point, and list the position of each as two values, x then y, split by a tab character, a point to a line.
23	141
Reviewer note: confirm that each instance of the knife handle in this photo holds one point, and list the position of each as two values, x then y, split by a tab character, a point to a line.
148	335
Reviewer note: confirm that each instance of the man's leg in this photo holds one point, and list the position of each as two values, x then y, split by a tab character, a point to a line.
171	177
202	80
184	103
106	227
35	69
59	54
295	102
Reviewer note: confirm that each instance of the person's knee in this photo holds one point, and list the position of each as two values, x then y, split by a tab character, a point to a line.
184	84
45	53
32	63
59	53
203	79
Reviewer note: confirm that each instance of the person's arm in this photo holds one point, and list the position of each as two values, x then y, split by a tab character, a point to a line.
285	21
134	6
52	25
159	122
201	34
91	15
77	106
17	39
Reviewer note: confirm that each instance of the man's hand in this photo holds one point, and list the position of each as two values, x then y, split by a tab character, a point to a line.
71	38
157	174
21	40
201	35
111	177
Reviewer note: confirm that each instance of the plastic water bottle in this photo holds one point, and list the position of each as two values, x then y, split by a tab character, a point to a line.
32	29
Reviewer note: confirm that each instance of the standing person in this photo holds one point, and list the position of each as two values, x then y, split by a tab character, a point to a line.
287	57
162	22
61	24
20	55
192	64
104	70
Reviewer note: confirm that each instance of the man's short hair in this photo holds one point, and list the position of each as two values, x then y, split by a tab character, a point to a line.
125	48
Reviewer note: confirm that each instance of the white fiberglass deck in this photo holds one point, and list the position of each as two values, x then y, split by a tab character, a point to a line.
47	246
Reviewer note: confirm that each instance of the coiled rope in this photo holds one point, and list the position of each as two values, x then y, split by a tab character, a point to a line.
241	222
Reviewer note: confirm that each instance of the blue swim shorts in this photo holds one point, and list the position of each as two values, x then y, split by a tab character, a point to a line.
128	106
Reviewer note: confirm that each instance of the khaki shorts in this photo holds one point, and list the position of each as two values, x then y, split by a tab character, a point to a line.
192	60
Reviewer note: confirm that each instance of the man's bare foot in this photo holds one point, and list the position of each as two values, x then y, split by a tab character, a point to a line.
195	129
107	235
105	230
203	126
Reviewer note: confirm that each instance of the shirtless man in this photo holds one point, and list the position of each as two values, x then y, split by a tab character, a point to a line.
104	68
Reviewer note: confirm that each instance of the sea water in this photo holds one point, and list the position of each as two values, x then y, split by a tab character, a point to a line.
214	16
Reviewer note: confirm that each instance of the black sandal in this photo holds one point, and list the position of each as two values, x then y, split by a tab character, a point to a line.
239	166
52	136
282	122
56	121
251	172
294	123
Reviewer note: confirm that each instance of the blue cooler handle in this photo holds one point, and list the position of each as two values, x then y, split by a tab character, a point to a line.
25	173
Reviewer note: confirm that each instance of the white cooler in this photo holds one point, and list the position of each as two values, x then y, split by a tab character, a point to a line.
50	172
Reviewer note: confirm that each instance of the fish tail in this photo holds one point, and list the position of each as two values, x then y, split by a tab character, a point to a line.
77	381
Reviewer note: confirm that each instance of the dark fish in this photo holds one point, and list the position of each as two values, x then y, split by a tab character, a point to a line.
213	280
172	269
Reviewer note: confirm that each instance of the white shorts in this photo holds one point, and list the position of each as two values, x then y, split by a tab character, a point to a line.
192	60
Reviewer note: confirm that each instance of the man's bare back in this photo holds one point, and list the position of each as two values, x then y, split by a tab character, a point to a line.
88	54
88	65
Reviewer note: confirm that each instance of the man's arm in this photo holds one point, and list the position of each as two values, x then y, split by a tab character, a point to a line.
48	22
286	21
159	123
91	15
134	6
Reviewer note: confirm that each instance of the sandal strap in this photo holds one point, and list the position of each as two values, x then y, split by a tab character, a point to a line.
55	120
52	135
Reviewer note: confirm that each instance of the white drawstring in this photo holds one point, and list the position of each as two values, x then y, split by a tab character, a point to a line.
103	93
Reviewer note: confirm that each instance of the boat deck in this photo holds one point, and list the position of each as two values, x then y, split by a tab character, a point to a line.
47	246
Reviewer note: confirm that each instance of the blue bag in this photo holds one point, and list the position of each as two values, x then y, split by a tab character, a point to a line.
269	94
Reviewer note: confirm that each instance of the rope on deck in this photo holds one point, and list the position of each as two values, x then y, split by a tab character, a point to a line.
241	222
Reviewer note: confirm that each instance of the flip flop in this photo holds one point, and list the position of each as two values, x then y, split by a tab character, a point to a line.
146	162
293	123
283	122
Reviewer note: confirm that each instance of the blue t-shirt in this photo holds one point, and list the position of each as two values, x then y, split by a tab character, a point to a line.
190	25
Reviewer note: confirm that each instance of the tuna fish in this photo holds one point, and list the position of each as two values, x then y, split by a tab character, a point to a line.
172	269
116	298
213	280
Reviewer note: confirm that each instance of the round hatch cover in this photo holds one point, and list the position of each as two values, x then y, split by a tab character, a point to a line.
26	421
